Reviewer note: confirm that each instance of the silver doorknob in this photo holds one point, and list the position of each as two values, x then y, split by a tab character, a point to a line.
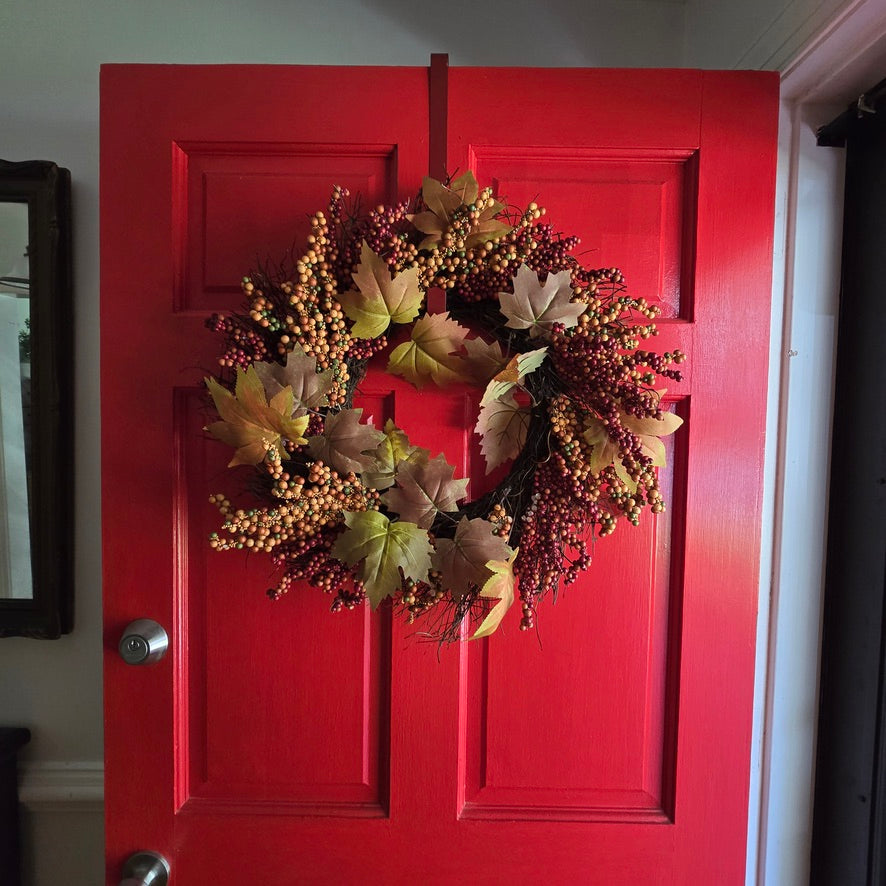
145	868
144	641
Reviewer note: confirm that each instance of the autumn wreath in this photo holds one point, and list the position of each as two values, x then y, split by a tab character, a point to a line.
569	403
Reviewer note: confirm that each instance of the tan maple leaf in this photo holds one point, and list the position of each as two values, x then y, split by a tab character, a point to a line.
462	560
502	426
424	490
649	431
443	201
346	443
249	423
536	306
381	298
482	361
299	372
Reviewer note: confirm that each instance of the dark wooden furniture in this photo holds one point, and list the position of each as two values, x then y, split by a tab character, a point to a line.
11	739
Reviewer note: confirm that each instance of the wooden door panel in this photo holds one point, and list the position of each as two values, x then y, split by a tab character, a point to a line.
274	710
614	636
287	745
610	629
252	669
672	172
633	210
248	204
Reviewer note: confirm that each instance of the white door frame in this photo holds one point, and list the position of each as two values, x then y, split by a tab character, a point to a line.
846	57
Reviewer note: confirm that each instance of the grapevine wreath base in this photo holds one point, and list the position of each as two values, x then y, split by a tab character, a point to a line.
569	403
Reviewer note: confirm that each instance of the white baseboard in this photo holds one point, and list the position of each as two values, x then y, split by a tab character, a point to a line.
72	786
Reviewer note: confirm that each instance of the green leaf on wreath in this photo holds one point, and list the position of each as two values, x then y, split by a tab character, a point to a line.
431	354
381	298
393	449
382	548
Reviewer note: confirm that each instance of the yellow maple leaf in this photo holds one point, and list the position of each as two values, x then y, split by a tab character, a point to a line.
499	586
381	298
249	422
431	354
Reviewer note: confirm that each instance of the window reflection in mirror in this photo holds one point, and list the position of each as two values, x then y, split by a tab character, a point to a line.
15	384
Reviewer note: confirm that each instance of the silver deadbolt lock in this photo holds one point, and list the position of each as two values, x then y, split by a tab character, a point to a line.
145	869
143	642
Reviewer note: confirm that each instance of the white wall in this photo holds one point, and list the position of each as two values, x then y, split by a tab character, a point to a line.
50	54
756	34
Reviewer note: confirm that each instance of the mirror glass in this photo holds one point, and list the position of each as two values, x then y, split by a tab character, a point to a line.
15	396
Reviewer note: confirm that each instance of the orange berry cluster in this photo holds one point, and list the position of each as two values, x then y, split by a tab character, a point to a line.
309	515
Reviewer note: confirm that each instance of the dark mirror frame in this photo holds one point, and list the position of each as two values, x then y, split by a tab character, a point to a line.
46	189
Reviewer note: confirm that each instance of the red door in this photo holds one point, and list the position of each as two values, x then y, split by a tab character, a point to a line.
280	744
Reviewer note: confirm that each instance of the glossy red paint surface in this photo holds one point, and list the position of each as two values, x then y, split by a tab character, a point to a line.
278	744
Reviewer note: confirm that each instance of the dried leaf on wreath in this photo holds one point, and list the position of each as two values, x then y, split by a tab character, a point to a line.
462	560
299	372
381	298
536	306
432	352
524	364
650	430
442	203
346	443
502	426
250	424
393	449
604	449
466	187
605	452
488	227
383	548
482	361
499	586
424	490
519	366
